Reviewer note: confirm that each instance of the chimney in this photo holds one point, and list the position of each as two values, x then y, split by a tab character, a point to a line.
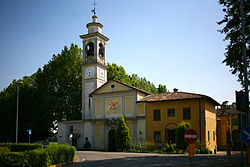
175	90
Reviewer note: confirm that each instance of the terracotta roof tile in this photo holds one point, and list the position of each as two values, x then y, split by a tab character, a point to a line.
175	96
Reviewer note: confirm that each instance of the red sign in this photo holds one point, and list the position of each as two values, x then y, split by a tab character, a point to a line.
190	136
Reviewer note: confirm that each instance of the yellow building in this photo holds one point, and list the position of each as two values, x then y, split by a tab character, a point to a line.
148	117
228	120
165	111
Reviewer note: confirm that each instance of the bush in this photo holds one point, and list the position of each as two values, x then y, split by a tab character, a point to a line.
10	159
42	157
122	137
4	149
20	147
59	153
37	157
180	130
171	148
149	146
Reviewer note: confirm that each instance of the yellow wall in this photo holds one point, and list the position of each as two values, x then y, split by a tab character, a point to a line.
210	118
223	125
207	112
129	125
118	88
98	135
129	105
98	107
140	109
222	132
152	125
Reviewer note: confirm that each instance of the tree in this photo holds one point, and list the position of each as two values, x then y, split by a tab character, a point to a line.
32	114
118	73
62	77
180	130
122	137
232	29
162	89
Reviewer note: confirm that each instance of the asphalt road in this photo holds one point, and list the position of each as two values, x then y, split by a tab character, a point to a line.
120	159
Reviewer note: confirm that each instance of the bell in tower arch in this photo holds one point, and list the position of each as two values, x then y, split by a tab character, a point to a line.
101	50
90	49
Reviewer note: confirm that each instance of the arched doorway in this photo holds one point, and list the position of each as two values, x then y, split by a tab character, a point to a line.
170	133
111	145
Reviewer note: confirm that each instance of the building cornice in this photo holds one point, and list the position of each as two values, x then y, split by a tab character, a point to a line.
93	35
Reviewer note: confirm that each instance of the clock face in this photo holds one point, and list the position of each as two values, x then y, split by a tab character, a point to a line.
101	73
89	72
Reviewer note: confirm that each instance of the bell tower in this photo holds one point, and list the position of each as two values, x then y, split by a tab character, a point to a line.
94	67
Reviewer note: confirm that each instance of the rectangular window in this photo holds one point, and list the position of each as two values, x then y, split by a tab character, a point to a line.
186	113
171	112
157	115
208	136
157	136
214	135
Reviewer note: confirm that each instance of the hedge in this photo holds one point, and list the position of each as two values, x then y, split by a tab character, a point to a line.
20	147
13	159
60	153
41	157
37	157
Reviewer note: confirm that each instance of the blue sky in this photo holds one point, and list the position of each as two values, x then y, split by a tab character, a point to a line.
175	43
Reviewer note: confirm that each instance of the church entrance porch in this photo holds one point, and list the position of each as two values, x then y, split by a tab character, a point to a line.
111	139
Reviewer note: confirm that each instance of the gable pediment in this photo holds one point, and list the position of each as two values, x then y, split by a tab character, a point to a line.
112	87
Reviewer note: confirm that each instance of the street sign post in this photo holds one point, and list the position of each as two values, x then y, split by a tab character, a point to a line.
245	137
190	136
30	132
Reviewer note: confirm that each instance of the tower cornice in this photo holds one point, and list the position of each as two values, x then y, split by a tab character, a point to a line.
94	24
93	35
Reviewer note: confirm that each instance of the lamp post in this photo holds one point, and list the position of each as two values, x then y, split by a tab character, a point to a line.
17	98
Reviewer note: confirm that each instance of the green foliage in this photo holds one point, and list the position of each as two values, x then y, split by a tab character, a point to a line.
13	159
41	157
47	96
232	30
20	147
63	78
170	148
37	157
180	130
150	146
122	137
200	148
118	73
53	93
60	153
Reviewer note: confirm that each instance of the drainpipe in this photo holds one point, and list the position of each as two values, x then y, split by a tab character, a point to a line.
200	117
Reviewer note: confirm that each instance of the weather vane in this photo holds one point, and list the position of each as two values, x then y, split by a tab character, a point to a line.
94	8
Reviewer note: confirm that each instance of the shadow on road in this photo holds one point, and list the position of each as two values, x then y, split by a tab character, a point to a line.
154	161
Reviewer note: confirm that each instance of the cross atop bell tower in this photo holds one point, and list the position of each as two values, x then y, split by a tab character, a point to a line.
94	67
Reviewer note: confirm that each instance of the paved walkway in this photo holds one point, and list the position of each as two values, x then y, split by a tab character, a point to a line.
120	159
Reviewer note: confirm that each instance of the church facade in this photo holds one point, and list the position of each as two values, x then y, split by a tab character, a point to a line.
102	102
148	117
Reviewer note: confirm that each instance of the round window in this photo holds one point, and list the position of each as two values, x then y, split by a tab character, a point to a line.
112	86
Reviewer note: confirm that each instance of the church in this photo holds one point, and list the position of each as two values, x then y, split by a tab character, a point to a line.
149	117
